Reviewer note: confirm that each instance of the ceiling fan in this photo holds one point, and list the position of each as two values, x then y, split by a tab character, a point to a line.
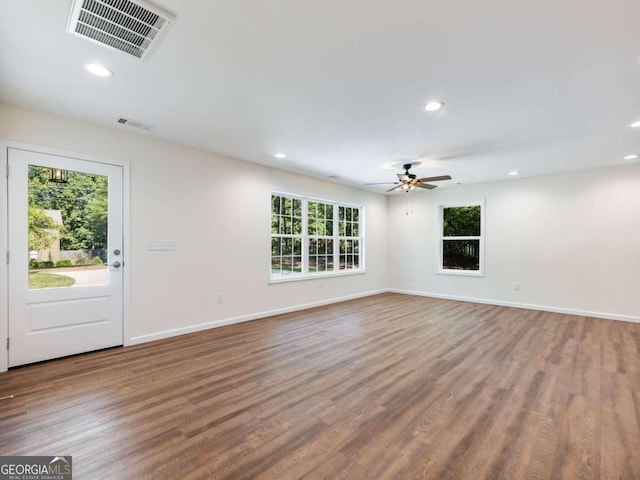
408	182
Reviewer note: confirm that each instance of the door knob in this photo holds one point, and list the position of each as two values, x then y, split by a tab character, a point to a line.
116	264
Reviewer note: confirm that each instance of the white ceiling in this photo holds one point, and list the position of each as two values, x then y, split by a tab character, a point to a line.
541	87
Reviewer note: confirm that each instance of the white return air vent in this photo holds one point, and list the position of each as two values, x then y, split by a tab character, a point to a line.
130	26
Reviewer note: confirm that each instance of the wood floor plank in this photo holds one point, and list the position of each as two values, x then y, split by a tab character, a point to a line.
620	454
384	387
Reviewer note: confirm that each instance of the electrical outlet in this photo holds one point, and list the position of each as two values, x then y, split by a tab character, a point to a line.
412	278
219	297
516	286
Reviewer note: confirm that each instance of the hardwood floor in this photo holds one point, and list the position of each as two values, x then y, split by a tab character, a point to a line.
386	387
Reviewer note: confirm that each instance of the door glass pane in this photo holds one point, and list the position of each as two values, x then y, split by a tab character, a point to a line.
68	218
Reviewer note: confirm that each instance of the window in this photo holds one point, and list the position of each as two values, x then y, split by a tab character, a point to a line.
286	235
461	246
310	237
320	232
348	231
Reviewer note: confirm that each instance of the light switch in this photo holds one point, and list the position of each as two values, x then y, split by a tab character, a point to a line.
169	244
155	244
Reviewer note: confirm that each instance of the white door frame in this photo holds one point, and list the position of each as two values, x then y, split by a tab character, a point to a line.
4	272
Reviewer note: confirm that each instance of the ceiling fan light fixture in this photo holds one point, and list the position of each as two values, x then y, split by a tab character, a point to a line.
433	106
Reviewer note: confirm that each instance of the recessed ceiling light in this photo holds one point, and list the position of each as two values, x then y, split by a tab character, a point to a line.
98	70
514	172
631	157
280	155
433	106
635	124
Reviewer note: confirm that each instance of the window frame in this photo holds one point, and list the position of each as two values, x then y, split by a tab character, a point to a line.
305	274
441	239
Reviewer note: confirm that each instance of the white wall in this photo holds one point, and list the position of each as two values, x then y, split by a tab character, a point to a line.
572	241
218	211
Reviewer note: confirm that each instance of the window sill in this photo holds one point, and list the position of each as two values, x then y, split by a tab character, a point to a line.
315	276
463	273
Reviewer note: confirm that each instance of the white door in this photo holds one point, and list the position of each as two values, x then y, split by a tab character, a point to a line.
66	256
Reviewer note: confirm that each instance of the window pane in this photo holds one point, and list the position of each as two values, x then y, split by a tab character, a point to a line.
275	246
286	264
297	246
461	254
321	228
297	226
67	229
286	246
297	208
356	214
297	264
346	246
461	221
275	265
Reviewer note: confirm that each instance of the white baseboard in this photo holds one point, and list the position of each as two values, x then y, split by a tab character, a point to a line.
244	318
270	313
544	308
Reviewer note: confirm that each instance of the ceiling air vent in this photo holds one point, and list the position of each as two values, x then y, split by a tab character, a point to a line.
134	123
130	26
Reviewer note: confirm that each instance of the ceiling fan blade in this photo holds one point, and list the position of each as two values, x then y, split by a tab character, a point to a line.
395	188
425	185
382	183
435	179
